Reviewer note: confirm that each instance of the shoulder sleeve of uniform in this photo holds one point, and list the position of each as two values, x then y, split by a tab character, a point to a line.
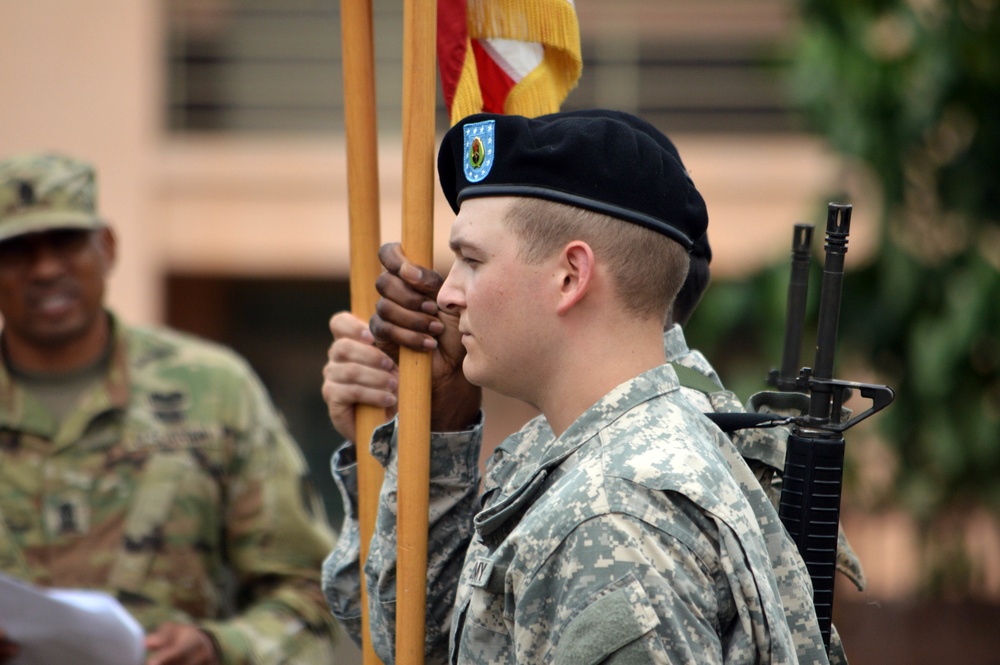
645	595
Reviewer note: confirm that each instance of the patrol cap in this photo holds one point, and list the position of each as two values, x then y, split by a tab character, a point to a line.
605	161
40	192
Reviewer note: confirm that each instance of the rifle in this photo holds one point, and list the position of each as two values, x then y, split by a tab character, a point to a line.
814	463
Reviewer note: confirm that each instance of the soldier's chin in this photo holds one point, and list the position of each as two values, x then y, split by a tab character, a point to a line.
474	375
57	334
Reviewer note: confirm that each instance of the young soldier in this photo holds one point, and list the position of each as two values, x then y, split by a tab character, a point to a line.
611	528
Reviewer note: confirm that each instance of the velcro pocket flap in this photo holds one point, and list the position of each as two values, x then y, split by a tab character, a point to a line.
619	615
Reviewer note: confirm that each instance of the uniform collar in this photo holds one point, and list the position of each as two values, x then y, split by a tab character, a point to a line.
520	452
19	411
674	343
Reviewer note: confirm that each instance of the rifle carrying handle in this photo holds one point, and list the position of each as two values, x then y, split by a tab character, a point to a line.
810	510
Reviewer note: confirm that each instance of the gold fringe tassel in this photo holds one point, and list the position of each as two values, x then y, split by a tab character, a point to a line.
553	24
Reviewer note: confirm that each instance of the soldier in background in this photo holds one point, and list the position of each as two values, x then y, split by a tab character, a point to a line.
139	461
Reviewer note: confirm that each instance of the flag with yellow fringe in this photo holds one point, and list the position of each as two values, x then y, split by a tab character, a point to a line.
507	56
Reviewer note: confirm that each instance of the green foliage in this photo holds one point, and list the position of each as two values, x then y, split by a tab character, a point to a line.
937	342
911	89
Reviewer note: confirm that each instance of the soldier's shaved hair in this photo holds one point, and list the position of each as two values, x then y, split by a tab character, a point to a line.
648	268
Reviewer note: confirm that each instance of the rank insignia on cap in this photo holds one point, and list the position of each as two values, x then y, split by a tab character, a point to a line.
27	193
479	146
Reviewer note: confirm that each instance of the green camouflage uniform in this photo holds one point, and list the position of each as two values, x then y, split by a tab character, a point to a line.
624	540
174	486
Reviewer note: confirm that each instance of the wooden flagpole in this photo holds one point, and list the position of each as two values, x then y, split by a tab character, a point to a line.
363	210
419	91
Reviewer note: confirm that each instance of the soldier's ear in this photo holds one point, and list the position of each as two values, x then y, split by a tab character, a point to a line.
576	270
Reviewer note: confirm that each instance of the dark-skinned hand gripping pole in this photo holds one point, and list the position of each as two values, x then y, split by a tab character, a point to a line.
814	464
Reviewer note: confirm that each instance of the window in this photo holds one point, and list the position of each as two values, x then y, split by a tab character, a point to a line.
274	66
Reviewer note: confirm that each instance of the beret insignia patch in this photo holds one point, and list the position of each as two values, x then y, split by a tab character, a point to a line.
479	147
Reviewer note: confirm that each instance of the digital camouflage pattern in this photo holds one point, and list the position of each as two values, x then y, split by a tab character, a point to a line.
762	451
626	538
175	486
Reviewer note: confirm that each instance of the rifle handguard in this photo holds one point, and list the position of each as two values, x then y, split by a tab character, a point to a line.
810	511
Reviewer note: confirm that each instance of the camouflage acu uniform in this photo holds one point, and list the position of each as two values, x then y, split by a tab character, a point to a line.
626	539
174	486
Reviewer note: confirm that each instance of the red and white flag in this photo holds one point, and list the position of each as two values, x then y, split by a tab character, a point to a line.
507	56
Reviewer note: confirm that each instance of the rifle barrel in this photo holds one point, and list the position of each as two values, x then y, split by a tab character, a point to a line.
838	226
798	291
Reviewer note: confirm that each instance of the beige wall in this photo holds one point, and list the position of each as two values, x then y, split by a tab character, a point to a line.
83	78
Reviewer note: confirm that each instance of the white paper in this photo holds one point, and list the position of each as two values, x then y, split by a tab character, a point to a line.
68	626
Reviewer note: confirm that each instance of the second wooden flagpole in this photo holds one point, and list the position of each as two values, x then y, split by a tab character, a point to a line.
419	94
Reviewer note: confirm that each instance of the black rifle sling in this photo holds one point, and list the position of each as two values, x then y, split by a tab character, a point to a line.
727	422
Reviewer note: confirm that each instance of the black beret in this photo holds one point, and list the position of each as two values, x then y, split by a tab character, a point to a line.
605	161
701	249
